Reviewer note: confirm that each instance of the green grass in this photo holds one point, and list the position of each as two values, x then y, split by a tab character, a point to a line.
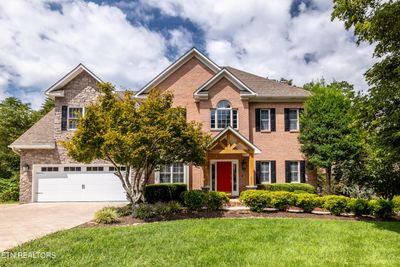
223	242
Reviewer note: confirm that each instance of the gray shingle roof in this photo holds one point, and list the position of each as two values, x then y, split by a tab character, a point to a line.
40	134
266	87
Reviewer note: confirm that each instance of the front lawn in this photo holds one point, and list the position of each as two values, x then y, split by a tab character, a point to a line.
223	242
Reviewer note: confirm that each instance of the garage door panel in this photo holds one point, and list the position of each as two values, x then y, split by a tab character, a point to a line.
82	186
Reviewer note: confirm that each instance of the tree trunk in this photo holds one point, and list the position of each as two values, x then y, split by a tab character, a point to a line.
328	180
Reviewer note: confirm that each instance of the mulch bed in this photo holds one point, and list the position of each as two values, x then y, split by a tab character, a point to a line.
186	214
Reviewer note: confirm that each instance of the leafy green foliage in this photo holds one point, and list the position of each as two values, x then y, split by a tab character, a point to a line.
124	210
358	206
396	203
147	211
139	135
164	192
256	200
289	187
195	199
216	200
106	216
378	22
307	202
335	204
381	208
282	200
327	135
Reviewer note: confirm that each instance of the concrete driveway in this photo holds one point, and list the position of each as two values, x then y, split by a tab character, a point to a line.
21	223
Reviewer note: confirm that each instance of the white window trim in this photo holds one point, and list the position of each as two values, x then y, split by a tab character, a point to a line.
68	107
269	167
298	120
185	175
231	118
298	172
269	120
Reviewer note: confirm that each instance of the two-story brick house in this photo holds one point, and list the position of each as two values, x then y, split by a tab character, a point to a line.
254	121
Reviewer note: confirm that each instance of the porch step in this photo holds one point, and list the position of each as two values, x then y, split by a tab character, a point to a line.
234	202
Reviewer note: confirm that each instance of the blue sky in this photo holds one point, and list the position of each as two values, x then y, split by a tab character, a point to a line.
129	42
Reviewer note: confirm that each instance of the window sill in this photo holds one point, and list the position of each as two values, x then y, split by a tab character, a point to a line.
265	131
294	131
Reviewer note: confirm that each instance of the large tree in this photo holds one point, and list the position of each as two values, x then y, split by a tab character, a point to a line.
141	135
378	22
327	136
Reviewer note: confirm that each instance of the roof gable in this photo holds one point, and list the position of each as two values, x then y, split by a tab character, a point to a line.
176	65
237	135
69	77
202	92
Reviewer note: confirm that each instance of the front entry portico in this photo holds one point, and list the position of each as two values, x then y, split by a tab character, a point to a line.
230	163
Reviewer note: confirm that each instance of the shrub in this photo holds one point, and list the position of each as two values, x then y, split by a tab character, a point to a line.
281	200
396	203
154	193
381	208
106	215
195	199
358	206
289	187
124	211
256	200
307	202
335	204
216	200
9	189
146	210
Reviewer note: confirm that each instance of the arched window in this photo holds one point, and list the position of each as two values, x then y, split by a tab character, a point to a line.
223	116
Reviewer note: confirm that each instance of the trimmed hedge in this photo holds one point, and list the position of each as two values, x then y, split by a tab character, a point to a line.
258	200
288	187
154	193
396	203
197	200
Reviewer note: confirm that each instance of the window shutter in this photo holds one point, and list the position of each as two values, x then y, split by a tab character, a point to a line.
64	114
273	120
258	169
286	118
273	171
302	172
287	172
258	126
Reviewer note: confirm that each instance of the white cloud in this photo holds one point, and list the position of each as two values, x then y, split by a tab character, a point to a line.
180	39
262	37
38	46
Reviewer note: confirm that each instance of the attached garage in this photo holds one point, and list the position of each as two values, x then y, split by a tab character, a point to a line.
76	183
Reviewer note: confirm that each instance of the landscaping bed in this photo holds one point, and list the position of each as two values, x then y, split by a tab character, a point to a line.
188	214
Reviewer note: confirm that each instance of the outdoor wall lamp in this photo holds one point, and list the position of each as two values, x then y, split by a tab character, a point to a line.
244	165
25	167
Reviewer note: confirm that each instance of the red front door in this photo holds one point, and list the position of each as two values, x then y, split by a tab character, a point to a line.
224	176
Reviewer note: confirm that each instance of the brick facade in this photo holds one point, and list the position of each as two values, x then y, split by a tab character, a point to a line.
183	82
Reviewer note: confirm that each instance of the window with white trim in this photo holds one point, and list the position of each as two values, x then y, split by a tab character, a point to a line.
294	119
265	119
223	116
265	172
174	173
295	171
113	169
73	116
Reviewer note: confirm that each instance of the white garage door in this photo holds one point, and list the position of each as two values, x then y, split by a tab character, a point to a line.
82	184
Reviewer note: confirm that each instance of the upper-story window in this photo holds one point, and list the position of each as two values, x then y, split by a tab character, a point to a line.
73	116
265	121
223	116
292	119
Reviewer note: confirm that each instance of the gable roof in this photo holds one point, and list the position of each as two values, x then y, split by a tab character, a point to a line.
177	64
69	77
39	136
239	136
268	88
224	73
